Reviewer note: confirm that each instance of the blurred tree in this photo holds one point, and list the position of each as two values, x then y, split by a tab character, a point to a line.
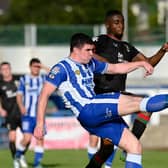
58	11
70	11
151	6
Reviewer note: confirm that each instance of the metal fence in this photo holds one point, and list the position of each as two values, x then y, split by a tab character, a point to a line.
33	35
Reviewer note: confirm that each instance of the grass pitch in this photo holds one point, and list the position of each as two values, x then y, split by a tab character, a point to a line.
78	159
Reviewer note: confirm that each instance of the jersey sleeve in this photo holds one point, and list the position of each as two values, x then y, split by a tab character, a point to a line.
56	75
21	86
99	67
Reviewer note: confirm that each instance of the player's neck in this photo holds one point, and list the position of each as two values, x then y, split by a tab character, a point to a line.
75	58
7	78
113	37
34	75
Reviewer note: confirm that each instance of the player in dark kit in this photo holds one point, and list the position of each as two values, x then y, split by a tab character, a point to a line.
112	49
9	108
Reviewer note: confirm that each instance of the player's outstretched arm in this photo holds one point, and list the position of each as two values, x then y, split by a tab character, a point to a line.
155	59
47	90
122	68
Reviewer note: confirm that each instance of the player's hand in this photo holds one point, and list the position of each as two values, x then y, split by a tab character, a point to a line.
3	112
148	68
39	132
165	47
23	110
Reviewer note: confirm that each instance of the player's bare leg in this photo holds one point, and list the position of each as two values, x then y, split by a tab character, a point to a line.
132	146
92	146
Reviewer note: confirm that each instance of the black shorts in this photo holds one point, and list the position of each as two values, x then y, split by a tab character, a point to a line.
12	123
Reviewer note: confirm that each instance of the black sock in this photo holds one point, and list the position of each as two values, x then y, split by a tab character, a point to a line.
27	146
12	148
102	154
138	128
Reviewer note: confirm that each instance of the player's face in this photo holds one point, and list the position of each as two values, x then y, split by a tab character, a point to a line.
35	69
85	53
115	26
5	70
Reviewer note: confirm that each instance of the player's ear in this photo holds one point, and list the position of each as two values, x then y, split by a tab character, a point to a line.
107	26
76	50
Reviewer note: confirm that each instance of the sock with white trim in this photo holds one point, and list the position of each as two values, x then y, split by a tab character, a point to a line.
133	161
39	151
20	150
154	103
91	151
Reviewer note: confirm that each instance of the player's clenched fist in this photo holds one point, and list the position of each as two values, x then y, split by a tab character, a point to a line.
39	132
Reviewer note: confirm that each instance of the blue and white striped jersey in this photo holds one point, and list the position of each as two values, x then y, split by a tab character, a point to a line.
30	87
74	81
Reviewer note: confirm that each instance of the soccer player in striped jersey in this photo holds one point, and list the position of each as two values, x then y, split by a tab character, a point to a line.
99	114
27	96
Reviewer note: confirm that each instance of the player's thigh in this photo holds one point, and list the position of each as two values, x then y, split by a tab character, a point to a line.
128	104
103	108
28	124
111	130
129	142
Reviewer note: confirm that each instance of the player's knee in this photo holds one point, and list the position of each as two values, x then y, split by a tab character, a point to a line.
12	139
26	141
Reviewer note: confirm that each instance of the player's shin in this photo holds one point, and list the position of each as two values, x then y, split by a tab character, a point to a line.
106	148
155	103
19	151
109	161
91	151
39	151
140	122
12	147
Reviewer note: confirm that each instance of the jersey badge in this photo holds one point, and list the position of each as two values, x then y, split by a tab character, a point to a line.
127	47
77	72
51	76
55	70
108	113
115	44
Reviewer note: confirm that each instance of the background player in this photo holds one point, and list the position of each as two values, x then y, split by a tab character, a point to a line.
9	108
28	92
111	47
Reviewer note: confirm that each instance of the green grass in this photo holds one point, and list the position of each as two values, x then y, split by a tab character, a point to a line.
78	159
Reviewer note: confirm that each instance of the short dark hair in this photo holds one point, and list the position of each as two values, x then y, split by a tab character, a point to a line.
79	39
34	60
111	13
4	63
